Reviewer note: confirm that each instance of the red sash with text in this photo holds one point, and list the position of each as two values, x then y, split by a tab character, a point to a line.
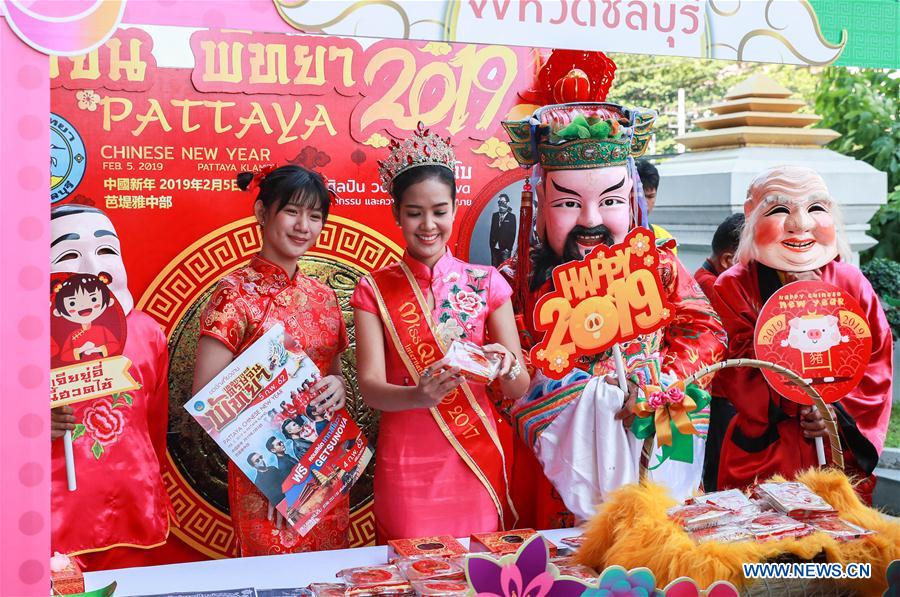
461	419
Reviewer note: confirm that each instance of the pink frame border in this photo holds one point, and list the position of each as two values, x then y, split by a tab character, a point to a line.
24	325
24	266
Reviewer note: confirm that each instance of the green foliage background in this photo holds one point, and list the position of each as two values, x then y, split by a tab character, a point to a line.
863	105
653	82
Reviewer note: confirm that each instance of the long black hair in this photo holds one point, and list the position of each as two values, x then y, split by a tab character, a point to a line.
289	184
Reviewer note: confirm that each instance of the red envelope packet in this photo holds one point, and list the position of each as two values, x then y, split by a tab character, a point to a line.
578	571
840	529
727	533
474	364
573	542
775	525
442	588
65	575
328	589
730	499
372	576
435	546
431	568
794	499
380	591
504	542
699	516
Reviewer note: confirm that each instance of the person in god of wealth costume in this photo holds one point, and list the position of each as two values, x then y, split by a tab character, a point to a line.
793	232
589	192
120	511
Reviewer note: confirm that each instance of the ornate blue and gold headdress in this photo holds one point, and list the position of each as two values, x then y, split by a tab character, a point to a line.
580	135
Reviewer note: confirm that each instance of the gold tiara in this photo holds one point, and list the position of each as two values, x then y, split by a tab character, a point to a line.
424	148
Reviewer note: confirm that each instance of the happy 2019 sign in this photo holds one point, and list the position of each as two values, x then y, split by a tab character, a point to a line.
613	295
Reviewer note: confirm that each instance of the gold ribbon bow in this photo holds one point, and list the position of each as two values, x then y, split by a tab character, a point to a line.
676	412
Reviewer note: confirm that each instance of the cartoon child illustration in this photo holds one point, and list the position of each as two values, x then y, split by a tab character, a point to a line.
82	299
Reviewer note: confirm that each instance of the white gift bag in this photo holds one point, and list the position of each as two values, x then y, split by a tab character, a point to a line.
586	453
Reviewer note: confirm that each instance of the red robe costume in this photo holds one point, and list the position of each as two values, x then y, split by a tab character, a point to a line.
694	339
120	509
765	437
720	410
706	276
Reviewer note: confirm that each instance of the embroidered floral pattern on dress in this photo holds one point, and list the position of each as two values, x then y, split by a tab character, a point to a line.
449	330
463	302
248	301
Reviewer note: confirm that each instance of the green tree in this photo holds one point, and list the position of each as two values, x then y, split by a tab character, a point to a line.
862	105
884	275
653	82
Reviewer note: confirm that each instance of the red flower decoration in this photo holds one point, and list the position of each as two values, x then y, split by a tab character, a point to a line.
259	176
674	395
103	422
656	400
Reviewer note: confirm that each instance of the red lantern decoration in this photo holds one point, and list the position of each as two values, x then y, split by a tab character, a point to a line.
358	156
574	87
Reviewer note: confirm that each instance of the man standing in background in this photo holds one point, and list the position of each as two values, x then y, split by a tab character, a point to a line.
503	231
649	176
724	246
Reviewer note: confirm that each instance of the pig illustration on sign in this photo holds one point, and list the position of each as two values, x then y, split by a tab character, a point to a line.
814	336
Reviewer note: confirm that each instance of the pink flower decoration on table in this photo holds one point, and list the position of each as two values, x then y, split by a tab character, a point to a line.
523	575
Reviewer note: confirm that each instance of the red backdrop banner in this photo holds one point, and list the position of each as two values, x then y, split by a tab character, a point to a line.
154	126
162	146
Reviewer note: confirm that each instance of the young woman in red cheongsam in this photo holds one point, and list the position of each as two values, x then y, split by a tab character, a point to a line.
291	207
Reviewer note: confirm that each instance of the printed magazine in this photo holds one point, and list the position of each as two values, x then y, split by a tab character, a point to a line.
262	414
